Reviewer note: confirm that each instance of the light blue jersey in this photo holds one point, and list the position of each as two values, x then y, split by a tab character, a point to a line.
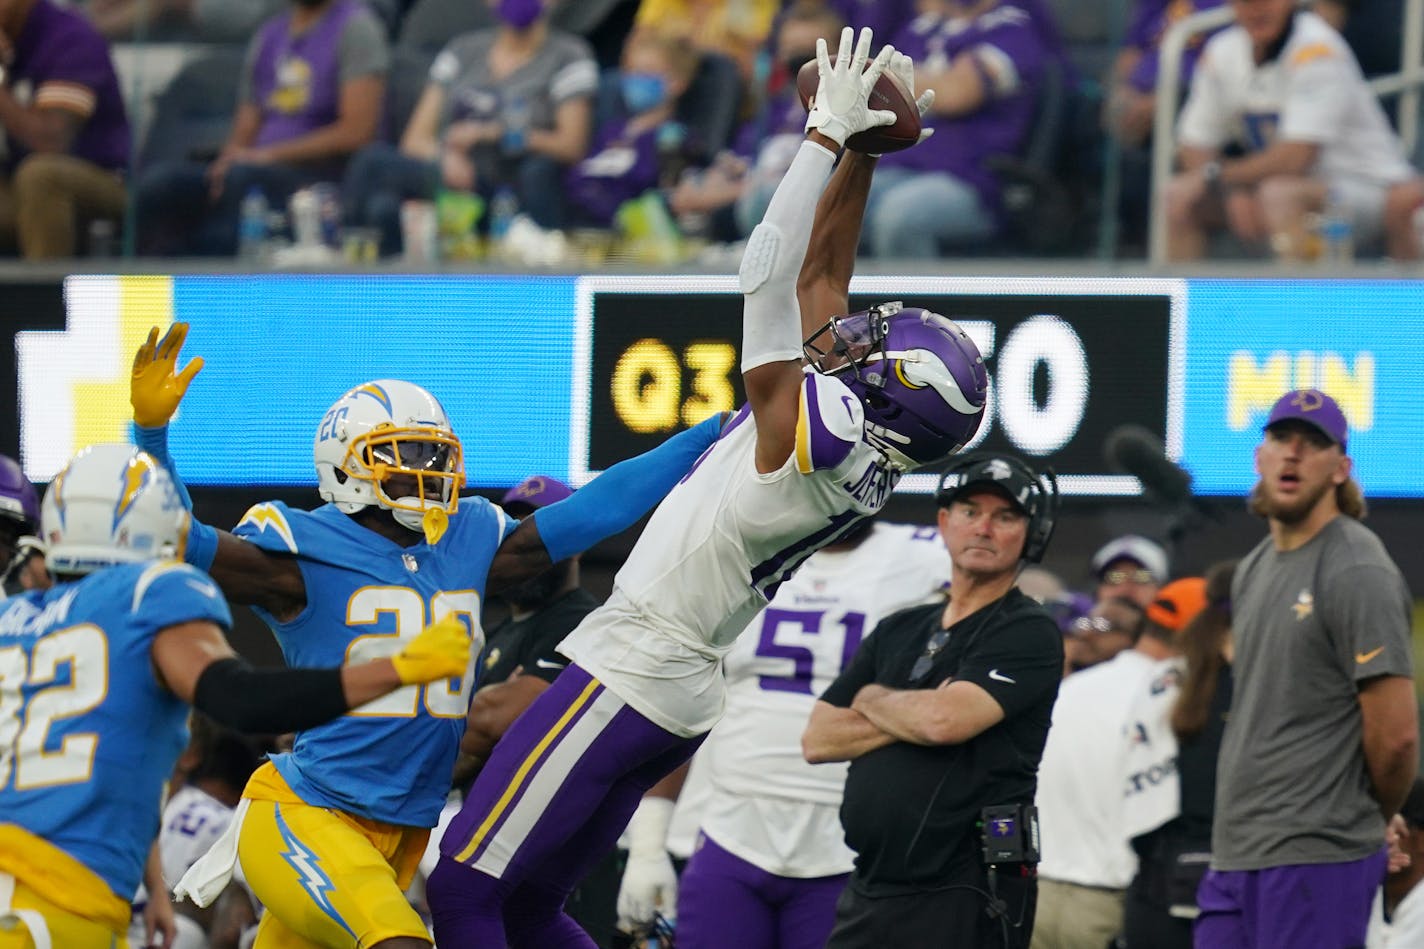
87	734
389	760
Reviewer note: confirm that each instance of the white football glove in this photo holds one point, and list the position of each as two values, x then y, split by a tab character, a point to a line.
903	68
842	104
649	880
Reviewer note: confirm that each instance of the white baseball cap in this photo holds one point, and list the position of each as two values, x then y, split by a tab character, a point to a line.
1136	548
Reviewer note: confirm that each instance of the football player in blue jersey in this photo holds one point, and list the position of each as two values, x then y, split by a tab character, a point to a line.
817	449
333	831
96	677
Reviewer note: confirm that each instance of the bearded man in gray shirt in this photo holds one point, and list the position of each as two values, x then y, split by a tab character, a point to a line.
1321	744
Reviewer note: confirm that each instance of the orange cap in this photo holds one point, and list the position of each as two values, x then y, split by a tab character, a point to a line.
1178	602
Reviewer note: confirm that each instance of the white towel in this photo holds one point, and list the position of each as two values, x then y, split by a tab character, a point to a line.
34	922
211	874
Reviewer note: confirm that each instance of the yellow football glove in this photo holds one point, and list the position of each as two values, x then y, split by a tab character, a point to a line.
156	388
441	651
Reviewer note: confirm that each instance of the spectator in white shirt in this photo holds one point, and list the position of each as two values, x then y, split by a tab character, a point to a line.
1283	87
1087	858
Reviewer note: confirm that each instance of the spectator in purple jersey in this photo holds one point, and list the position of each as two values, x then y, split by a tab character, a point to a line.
626	158
62	112
508	107
311	95
984	59
744	178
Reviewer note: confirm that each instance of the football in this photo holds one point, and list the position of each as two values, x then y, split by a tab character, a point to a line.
889	93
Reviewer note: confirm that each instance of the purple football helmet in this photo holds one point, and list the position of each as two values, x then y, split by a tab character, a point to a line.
18	500
19	516
919	376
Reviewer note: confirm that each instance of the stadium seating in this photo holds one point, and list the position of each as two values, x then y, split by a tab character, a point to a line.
1092	31
430	24
410	68
1037	202
193	113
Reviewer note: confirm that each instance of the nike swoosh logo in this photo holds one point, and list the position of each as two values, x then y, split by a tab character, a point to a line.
850	406
205	589
998	676
1363	657
546	664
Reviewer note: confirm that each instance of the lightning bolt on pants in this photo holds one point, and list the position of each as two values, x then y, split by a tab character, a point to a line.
328	879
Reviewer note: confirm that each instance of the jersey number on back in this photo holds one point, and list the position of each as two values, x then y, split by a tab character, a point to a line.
83	653
367	606
783	634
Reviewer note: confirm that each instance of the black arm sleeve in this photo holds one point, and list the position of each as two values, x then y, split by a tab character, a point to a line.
268	701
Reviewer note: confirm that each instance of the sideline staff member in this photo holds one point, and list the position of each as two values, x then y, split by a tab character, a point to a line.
943	715
1322	742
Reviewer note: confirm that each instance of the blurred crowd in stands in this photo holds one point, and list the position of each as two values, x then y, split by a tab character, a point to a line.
566	131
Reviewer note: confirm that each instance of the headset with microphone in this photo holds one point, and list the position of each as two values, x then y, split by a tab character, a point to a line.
1036	493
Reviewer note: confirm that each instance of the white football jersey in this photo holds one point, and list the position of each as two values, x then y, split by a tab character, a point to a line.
192	823
766	804
717	548
1312	91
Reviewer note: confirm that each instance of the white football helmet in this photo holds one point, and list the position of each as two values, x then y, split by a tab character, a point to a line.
383	430
111	504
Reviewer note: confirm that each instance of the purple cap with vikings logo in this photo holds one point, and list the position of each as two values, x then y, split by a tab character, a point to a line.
1314	408
534	492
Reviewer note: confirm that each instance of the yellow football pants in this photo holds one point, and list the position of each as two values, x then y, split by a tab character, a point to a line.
64	929
328	879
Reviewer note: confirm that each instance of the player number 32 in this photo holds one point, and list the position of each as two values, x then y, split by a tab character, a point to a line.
69	673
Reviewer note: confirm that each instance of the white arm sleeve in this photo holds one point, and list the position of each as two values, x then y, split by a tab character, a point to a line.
771	317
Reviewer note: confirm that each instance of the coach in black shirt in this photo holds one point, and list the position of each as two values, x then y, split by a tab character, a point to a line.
942	713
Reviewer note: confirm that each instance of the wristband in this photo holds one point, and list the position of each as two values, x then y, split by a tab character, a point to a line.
1211	174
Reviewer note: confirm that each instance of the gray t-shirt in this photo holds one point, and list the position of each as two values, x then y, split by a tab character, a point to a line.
1310	624
562	69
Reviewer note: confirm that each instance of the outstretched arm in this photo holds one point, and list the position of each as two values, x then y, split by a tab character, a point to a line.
823	288
246	573
155	389
195	663
771	324
608	504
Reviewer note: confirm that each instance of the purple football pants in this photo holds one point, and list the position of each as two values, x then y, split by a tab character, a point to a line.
725	901
550	802
1323	905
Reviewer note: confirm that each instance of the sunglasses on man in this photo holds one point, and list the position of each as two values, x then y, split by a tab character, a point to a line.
1141	576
